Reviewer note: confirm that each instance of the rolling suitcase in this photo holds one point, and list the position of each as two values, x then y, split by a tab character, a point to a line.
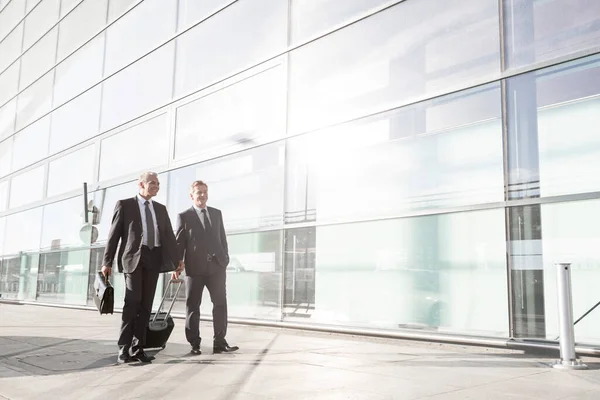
161	323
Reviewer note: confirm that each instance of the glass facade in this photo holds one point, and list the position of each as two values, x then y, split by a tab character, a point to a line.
383	164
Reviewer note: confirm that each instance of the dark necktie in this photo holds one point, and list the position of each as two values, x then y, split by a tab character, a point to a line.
149	226
207	225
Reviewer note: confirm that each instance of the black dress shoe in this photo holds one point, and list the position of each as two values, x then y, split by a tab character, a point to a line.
124	356
224	348
195	350
141	356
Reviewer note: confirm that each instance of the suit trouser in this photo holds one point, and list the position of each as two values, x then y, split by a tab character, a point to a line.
140	286
194	286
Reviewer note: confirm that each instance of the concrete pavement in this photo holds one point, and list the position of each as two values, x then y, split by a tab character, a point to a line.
51	353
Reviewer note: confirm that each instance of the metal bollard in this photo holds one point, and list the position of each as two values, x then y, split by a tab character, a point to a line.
568	358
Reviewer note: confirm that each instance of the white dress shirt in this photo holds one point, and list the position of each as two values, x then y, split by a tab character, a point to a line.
142	205
201	215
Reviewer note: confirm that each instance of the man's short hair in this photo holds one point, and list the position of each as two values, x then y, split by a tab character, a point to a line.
197	183
146	175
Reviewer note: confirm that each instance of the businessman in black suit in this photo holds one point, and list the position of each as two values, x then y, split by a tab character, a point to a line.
202	244
148	247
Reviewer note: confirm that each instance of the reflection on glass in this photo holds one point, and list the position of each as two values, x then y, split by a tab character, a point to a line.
9	82
445	272
31	144
411	50
27	187
34	101
568	236
300	257
18	276
138	32
441	153
253	278
18	239
192	11
3	199
129	94
116	157
310	17
212	50
10	47
542	30
39	59
70	171
8	112
63	277
39	21
242	114
63	225
247	187
79	72
86	20
76	121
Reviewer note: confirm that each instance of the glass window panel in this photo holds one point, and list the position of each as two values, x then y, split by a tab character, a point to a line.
35	101
311	17
118	7
76	121
230	49
31	144
5	156
27	187
2	234
413	158
3	198
128	94
192	11
18	276
542	30
8	112
445	272
39	59
79	72
9	83
39	21
246	113
31	4
18	239
10	16
62	224
85	21
10	47
63	277
569	237
254	175
411	50
117	159
70	171
138	32
68	5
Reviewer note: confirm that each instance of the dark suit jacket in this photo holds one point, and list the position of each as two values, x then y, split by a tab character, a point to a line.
193	244
127	228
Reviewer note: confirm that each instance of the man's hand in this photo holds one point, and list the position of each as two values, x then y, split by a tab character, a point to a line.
180	267
106	271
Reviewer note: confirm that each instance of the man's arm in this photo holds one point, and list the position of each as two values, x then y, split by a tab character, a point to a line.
172	246
224	237
114	235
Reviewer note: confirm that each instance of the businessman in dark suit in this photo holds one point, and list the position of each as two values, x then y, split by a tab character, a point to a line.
202	244
148	247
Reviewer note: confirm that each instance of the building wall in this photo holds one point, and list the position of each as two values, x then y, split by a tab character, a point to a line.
390	164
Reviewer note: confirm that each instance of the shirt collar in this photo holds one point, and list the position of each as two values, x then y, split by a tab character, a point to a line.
198	209
142	201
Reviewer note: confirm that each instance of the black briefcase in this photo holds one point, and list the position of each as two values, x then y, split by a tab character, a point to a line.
161	323
104	294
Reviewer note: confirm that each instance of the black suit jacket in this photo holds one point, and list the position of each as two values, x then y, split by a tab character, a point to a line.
193	244
127	228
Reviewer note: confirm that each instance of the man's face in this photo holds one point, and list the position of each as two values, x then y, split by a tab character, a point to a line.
199	195
150	187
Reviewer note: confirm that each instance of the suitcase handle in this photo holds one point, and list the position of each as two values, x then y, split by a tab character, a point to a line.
180	281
